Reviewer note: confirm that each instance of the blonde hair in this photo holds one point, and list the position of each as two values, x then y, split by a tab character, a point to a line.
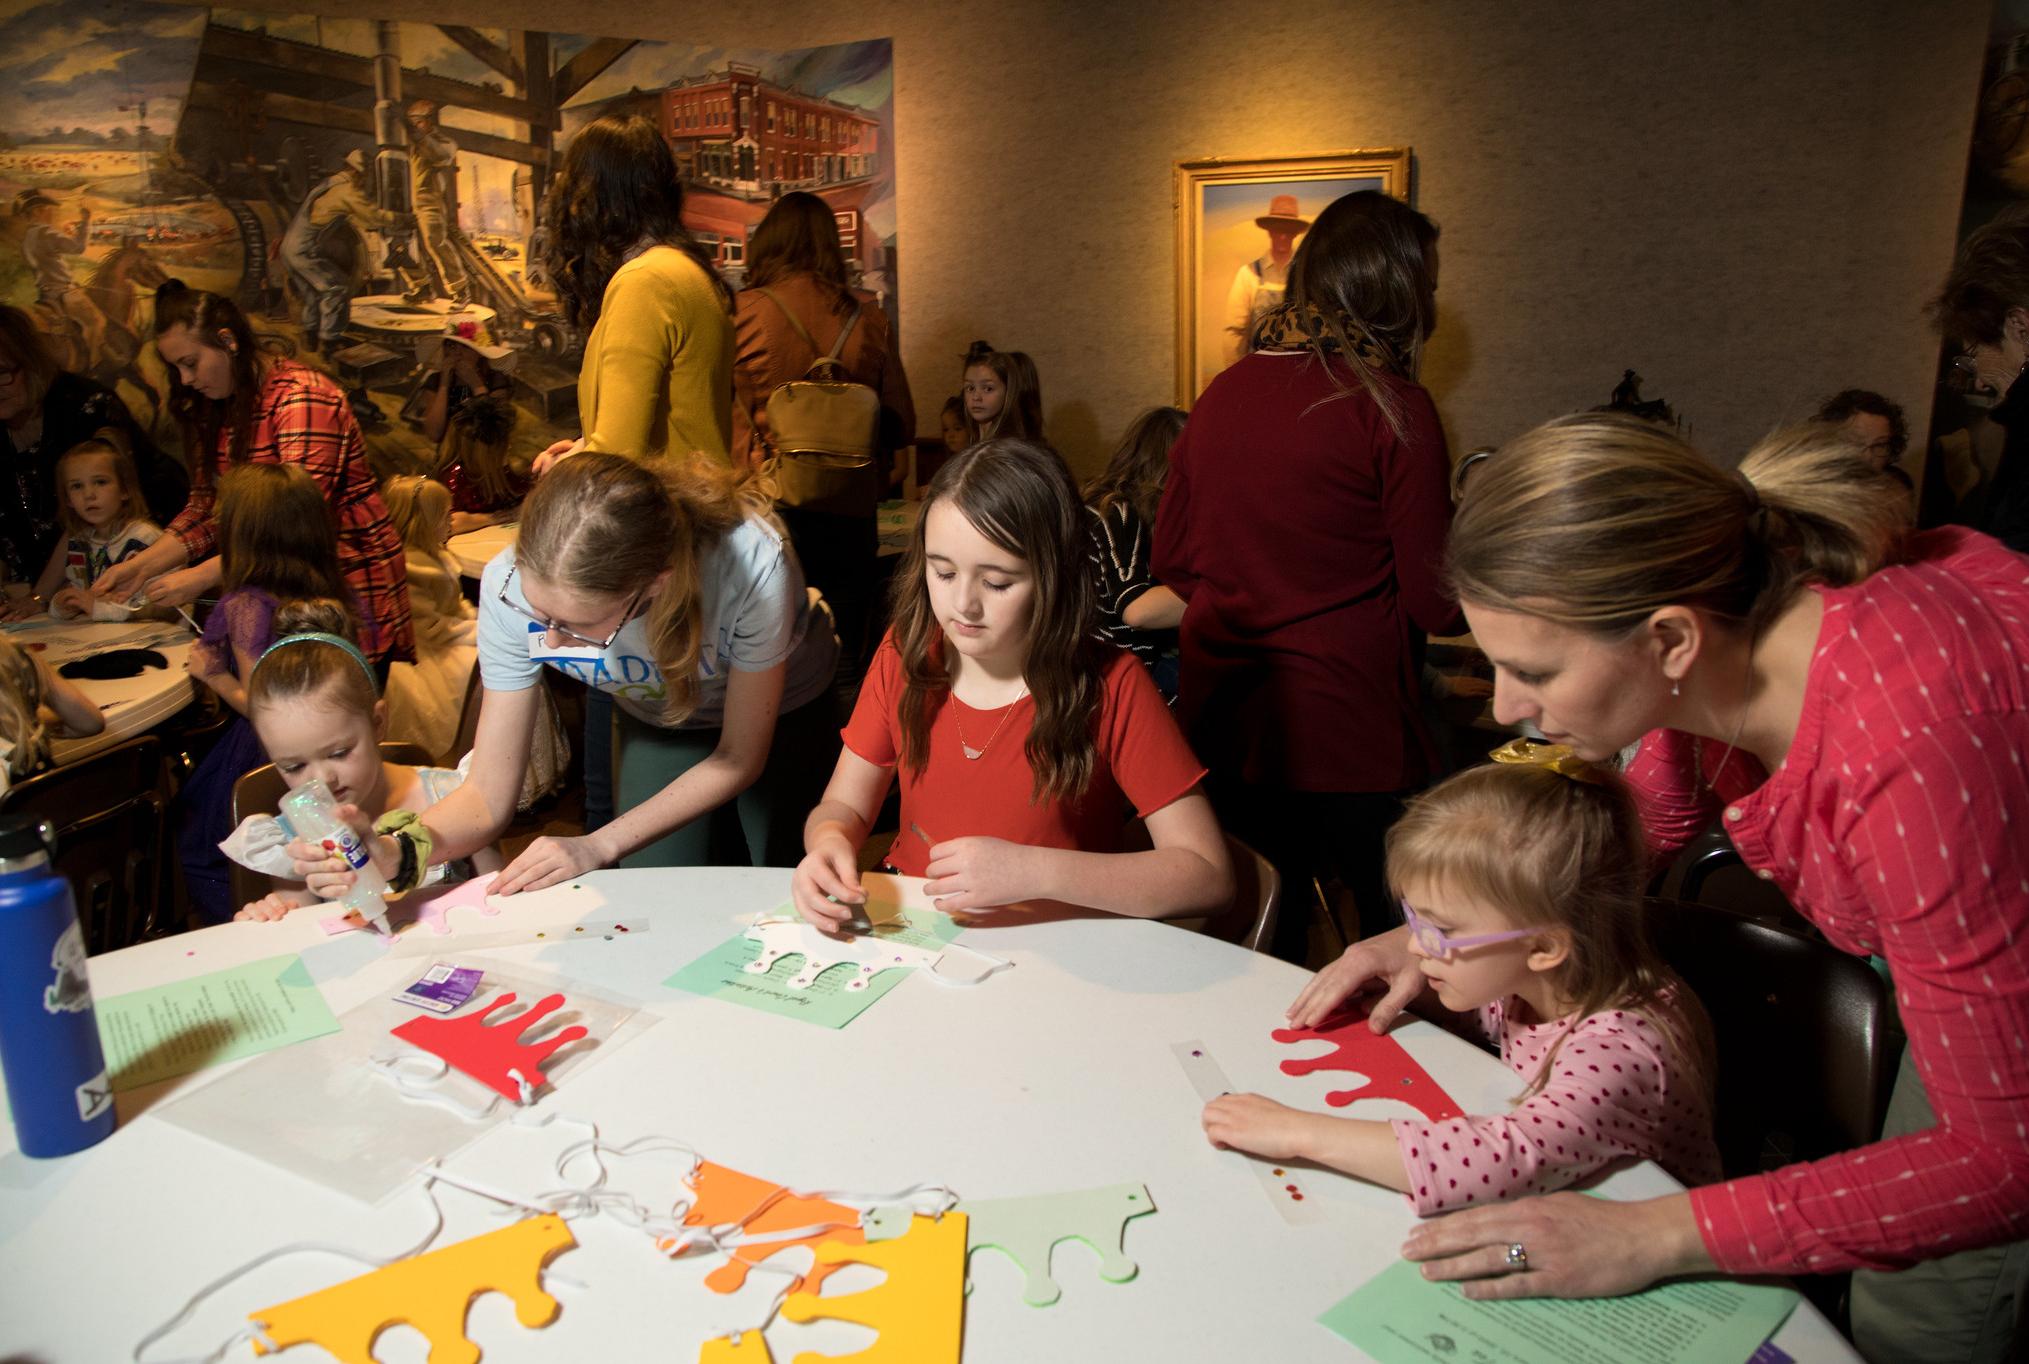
107	440
313	668
21	697
1549	850
417	506
1596	520
605	525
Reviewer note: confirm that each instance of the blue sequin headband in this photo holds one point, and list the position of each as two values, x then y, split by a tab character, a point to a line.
336	641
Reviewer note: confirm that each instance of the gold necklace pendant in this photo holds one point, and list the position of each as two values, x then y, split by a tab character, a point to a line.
975	754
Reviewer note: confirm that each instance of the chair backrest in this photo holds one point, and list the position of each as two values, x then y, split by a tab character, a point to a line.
1802	1031
1257	894
260	791
1710	871
468	720
111	819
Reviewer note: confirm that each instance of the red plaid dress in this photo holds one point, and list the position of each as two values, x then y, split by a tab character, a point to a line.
302	418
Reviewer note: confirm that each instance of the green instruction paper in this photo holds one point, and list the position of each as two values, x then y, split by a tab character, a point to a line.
721	973
1400	1317
169	1030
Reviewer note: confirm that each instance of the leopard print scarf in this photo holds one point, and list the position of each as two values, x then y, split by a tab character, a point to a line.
1291	326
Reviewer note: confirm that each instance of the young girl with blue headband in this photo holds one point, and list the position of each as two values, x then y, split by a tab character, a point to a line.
315	702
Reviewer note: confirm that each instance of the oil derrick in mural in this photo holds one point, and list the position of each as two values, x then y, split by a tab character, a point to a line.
347	143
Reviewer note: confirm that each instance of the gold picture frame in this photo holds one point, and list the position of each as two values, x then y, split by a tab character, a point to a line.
1225	211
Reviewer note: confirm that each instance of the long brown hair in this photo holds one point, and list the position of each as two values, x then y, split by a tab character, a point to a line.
799	236
1140	465
604	525
1596	520
1021	497
107	440
1548	850
275	533
1368	269
617	188
1021	408
202	419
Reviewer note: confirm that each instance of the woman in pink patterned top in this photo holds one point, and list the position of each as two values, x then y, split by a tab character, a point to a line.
1852	703
1522	886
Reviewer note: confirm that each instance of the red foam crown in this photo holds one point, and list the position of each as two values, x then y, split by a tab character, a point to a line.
488	1053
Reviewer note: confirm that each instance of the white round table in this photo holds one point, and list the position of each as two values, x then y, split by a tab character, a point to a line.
1055	1075
132	705
476	548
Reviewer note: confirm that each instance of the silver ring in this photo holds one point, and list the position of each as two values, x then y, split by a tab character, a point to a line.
1518	1259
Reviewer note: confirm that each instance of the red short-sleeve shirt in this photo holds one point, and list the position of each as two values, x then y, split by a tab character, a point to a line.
1143	764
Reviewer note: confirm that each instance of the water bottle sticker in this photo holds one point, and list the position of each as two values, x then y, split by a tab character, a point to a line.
94	1097
348	846
71	992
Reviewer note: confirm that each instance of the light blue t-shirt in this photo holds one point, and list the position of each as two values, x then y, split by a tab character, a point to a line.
756	614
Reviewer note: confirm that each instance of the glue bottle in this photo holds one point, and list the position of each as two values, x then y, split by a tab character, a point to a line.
311	814
49	1035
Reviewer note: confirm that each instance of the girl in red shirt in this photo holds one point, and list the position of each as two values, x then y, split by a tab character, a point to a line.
1024	743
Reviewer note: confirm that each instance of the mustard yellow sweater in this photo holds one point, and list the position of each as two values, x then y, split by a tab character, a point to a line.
658	371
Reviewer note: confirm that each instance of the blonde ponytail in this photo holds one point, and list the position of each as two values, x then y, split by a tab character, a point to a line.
605	525
1596	520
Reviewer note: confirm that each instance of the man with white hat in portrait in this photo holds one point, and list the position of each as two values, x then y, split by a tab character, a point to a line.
1258	285
324	288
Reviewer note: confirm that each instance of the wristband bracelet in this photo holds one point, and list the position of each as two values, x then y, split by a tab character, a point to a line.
416	843
404	878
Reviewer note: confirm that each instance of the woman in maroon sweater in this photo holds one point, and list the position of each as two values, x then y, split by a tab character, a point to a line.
1304	526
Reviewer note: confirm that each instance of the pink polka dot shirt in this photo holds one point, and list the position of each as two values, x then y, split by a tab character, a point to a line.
1613	1091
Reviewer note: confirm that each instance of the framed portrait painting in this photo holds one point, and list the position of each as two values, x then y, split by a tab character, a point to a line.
1238	225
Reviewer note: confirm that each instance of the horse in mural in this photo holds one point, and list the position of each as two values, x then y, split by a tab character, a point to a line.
113	357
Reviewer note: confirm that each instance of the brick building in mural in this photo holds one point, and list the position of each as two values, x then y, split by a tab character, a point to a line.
735	132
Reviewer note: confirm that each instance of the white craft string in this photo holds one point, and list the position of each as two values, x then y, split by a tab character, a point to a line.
251	1331
993	964
426	1088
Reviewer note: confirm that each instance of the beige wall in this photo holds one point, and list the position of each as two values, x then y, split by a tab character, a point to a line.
1748	204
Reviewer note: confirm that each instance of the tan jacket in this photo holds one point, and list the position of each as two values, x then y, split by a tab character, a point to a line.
769	353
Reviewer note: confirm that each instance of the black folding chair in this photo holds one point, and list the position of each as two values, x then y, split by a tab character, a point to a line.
111	817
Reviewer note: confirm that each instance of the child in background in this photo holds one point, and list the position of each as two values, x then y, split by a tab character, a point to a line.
952	424
1003	395
1135	611
1522	885
314	702
1023	742
426	699
468	409
105	521
277	542
32	701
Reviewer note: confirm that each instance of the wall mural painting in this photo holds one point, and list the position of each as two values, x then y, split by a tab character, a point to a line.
1238	225
362	186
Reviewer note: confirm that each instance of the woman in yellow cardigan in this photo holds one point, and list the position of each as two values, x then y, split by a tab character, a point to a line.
658	368
657	376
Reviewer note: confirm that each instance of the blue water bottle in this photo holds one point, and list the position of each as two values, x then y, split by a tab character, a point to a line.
49	1036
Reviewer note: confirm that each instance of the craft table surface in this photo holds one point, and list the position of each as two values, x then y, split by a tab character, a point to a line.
477	548
133	705
1055	1075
